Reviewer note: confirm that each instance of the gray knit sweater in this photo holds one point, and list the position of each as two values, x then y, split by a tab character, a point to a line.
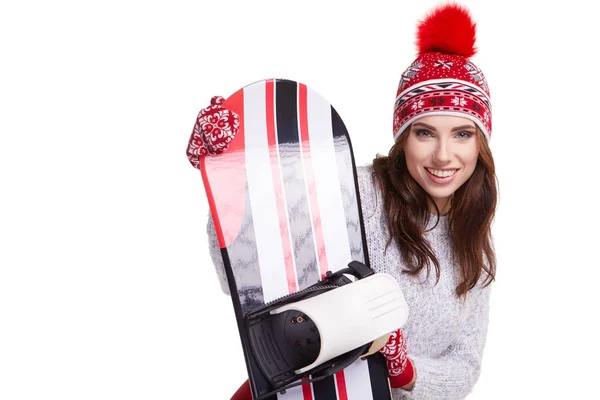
445	336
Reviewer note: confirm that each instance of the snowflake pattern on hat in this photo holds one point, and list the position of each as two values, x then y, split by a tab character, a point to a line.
443	64
443	83
443	79
410	73
477	75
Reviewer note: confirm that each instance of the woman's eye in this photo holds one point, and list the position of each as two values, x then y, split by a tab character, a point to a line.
464	135
422	132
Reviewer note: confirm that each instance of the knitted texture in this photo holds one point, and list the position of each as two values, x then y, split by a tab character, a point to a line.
445	335
443	80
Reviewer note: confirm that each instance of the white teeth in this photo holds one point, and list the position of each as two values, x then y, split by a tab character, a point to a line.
442	174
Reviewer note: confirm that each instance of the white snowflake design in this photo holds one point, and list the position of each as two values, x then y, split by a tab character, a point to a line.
459	101
417	104
410	73
477	75
443	64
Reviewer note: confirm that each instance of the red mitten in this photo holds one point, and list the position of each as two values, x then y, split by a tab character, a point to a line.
400	368
243	393
215	128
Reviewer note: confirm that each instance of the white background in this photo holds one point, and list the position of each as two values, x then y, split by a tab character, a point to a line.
107	290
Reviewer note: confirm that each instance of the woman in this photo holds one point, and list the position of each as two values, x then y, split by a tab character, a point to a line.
428	207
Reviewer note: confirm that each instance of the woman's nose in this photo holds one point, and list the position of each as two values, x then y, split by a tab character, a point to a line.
442	152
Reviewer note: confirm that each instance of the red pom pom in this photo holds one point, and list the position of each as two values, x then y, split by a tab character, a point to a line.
448	29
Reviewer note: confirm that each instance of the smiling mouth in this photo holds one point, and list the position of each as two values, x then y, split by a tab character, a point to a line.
441	173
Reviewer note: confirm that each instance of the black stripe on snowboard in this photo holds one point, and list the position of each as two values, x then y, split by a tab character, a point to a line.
262	385
325	389
294	186
378	375
348	188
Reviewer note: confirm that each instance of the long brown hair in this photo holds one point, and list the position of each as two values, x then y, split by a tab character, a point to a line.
472	210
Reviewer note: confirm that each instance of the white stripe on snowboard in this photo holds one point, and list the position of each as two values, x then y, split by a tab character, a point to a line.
333	218
262	197
357	378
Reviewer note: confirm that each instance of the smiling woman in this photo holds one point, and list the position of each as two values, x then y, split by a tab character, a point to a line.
430	204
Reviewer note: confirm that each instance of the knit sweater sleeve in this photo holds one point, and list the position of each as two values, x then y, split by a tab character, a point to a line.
454	373
215	254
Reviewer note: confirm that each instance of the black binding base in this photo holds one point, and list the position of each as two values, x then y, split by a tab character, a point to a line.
283	343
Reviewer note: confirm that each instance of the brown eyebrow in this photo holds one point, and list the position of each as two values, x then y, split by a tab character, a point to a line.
424	125
458	128
462	128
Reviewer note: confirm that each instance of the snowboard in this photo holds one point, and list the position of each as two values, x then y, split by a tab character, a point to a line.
285	204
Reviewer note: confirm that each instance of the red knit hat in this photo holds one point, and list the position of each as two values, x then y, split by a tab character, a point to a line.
442	80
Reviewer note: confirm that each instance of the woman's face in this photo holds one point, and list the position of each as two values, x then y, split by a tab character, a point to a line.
441	154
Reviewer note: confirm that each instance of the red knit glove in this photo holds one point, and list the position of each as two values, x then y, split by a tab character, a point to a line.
243	393
215	128
400	368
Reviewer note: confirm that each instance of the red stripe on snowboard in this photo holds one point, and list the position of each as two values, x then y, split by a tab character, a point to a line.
310	179
306	391
279	201
340	379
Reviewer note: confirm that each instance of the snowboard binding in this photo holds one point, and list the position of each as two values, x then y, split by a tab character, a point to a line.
314	333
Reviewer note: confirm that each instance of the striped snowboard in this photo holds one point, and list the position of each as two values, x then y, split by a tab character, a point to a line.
284	201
